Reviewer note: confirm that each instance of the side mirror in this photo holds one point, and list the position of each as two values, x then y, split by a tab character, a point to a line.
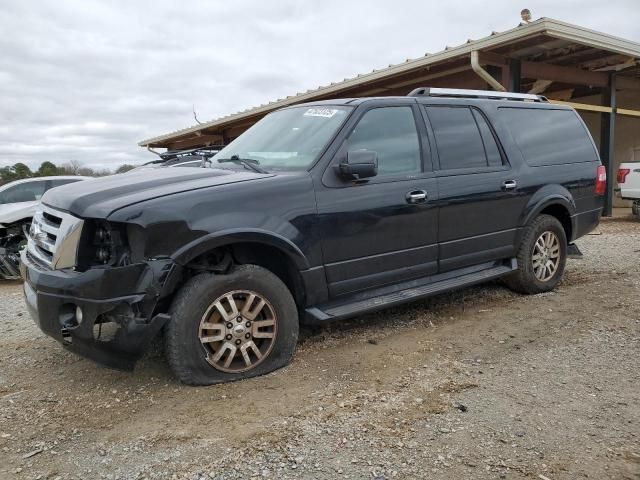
359	164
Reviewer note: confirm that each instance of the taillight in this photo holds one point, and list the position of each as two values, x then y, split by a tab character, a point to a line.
601	180
622	174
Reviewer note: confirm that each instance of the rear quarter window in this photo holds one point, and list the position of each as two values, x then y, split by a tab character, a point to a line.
549	137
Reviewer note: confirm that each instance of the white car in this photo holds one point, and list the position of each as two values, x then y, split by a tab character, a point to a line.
18	202
629	183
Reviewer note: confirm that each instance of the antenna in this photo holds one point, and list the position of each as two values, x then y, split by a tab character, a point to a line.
193	107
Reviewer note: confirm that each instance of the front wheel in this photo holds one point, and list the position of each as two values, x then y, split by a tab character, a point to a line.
542	256
229	327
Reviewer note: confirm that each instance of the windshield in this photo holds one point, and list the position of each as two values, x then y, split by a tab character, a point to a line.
289	139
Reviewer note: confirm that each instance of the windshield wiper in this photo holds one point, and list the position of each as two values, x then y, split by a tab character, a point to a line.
247	162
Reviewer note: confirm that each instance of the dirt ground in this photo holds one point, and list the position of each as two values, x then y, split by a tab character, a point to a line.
480	383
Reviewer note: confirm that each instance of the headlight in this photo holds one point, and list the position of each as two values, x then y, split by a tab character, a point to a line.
103	254
104	243
102	235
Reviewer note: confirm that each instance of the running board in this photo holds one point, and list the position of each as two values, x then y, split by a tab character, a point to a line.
337	311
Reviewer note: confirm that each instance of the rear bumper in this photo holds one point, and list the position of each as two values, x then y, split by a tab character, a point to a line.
115	327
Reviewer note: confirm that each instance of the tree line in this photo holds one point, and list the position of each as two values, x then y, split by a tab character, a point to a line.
19	171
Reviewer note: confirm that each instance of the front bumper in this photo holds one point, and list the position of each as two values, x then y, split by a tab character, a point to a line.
122	297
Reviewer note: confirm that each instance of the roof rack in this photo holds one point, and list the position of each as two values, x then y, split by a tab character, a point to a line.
460	92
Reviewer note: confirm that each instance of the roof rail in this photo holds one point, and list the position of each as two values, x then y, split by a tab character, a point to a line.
460	92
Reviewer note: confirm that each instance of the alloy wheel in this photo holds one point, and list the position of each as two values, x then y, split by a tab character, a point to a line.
238	331
546	256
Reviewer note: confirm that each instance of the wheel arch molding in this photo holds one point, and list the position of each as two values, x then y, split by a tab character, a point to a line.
212	241
553	200
546	197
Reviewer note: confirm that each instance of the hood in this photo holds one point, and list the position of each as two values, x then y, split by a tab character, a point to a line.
12	212
101	197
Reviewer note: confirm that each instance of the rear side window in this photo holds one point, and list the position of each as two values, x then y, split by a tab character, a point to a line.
463	137
491	149
549	137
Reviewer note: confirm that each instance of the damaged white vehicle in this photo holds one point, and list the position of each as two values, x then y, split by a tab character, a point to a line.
18	201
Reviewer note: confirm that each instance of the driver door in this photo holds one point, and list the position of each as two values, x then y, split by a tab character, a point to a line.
382	230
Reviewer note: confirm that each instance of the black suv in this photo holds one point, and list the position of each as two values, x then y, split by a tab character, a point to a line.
318	212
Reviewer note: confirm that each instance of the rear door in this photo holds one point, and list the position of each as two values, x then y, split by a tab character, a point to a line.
383	230
479	196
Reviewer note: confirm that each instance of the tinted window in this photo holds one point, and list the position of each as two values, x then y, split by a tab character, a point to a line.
23	192
457	137
491	149
549	137
391	132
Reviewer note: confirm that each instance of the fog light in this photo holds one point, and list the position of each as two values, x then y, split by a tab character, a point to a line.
79	315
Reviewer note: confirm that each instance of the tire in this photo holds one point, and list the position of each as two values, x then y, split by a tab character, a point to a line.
524	279
190	347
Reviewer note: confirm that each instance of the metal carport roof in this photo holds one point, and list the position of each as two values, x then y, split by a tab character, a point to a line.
544	48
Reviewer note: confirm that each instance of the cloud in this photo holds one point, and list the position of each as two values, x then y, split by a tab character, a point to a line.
86	80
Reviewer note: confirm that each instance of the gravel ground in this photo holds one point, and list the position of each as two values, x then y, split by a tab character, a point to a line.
480	383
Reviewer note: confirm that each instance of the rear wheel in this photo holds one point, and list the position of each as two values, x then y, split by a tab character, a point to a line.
228	327
541	257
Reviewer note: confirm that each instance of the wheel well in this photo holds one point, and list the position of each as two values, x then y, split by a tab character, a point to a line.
273	259
563	216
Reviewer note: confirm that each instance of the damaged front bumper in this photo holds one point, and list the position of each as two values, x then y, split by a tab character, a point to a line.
101	314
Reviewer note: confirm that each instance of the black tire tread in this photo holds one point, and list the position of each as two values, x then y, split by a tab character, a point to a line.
198	288
521	280
172	348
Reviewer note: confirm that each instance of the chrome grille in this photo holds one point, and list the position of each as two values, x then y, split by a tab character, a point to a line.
54	237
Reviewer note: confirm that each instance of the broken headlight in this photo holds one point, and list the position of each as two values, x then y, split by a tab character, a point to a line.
103	243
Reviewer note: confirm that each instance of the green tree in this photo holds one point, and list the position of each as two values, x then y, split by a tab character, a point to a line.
7	175
22	171
47	169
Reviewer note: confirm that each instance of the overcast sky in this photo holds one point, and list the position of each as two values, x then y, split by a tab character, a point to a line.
87	80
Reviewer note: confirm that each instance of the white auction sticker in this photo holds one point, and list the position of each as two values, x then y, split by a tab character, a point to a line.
320	112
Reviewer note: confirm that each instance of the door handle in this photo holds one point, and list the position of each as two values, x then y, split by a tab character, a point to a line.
416	196
509	185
